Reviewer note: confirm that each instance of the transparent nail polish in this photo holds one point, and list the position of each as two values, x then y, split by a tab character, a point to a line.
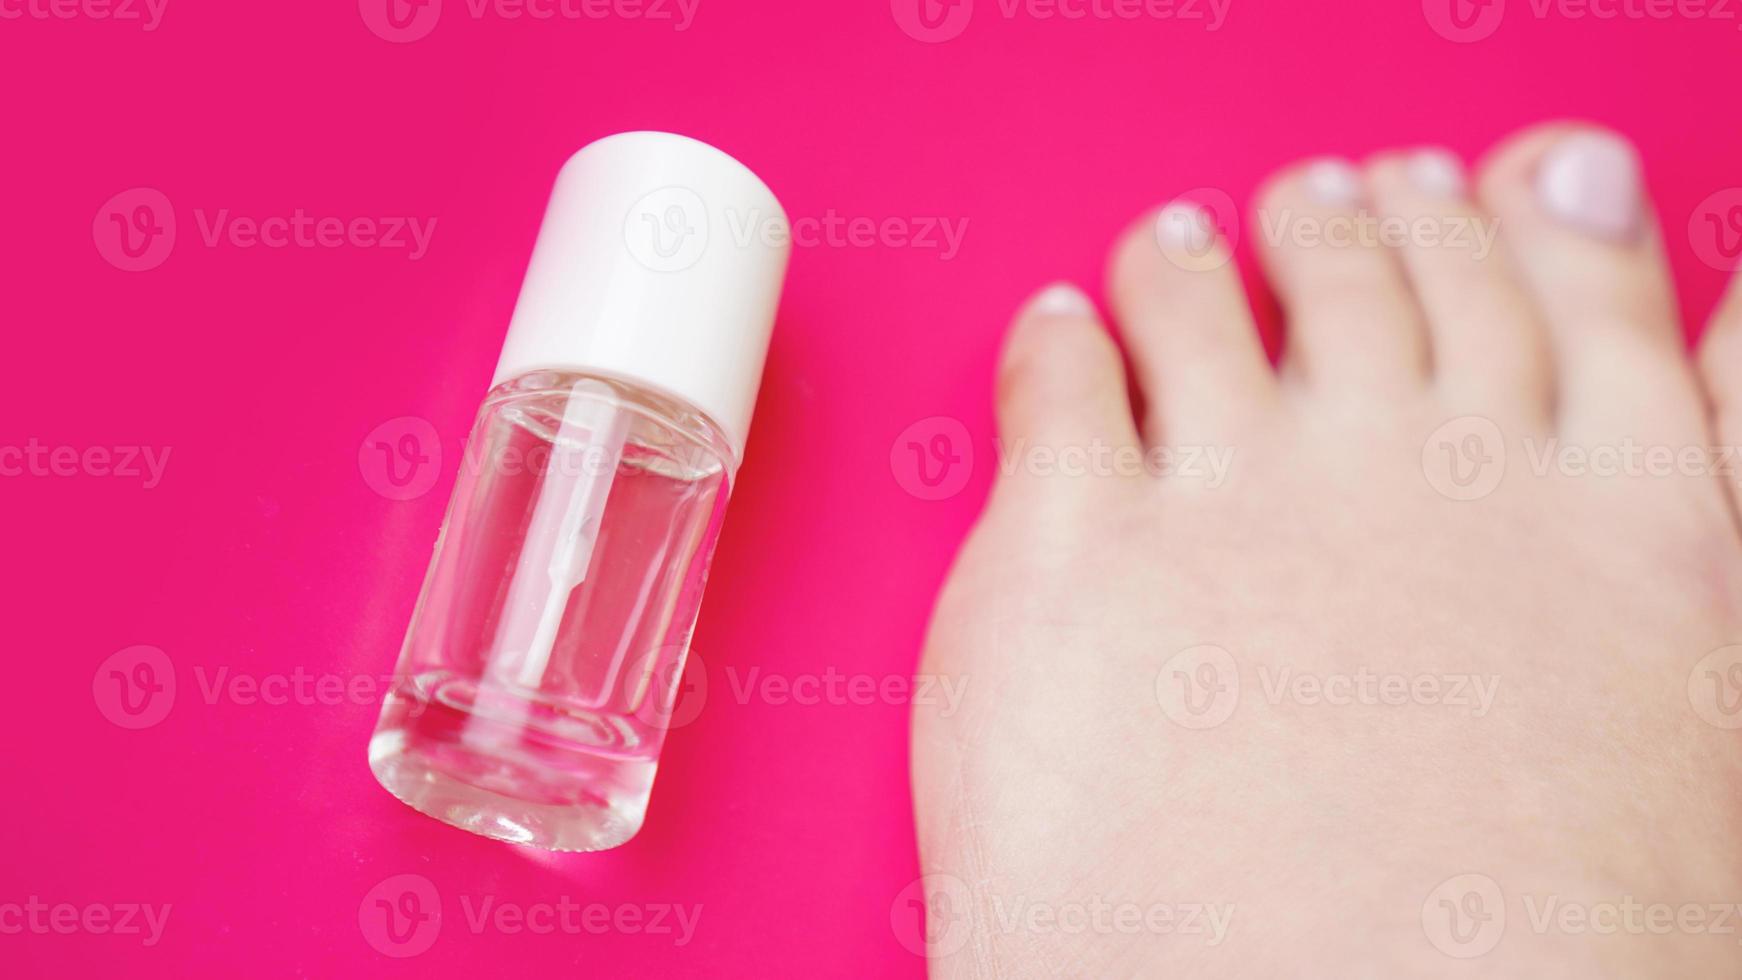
544	659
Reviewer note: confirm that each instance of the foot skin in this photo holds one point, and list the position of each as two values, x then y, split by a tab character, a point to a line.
1406	658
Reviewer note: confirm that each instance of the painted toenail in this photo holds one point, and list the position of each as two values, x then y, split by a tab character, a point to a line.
1062	299
1592	182
1436	172
1334	183
1185	225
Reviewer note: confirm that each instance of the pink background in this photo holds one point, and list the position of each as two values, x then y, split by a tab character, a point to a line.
265	549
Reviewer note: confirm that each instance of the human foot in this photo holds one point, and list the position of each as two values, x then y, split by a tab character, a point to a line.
1407	687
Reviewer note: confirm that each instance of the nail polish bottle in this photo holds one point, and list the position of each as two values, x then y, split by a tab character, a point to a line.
544	658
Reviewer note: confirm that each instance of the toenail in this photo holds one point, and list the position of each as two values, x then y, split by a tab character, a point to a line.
1436	172
1061	299
1592	182
1335	183
1185	225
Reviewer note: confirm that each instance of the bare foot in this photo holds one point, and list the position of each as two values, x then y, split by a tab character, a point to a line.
1406	659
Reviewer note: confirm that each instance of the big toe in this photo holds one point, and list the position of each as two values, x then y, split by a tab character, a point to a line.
1578	223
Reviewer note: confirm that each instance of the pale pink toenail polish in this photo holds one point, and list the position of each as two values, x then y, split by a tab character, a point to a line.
1592	182
1061	299
1334	183
1185	225
1436	172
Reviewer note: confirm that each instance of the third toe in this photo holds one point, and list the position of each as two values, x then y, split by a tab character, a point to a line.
1354	328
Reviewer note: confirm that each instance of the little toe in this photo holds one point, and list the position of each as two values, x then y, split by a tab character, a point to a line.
1720	363
1061	380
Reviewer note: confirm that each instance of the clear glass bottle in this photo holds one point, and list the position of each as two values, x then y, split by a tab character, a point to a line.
545	654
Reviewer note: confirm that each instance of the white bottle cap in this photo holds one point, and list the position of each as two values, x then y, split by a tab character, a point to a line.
659	262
